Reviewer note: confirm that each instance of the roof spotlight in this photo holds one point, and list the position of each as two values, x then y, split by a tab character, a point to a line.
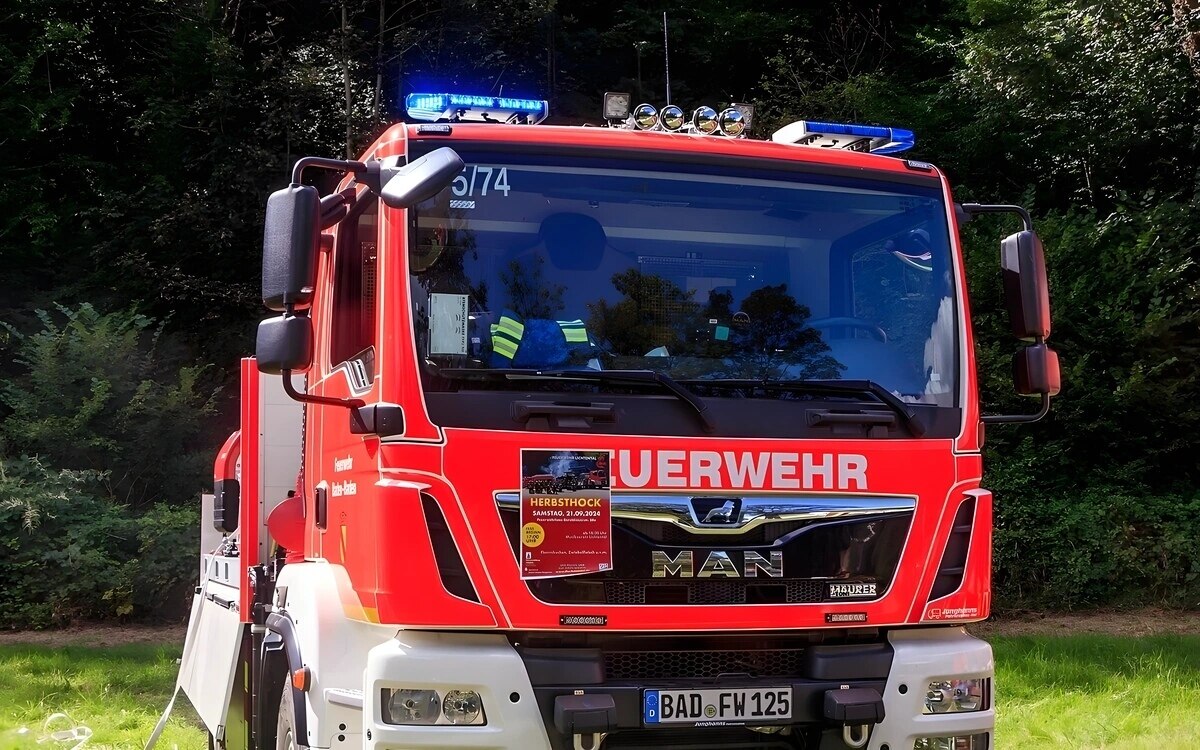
732	122
616	105
671	117
645	117
704	120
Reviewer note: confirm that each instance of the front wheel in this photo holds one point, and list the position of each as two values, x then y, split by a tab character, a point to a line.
285	730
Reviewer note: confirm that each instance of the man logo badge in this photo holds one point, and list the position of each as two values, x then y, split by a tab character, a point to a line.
852	590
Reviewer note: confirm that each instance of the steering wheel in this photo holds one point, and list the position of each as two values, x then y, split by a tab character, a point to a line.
865	325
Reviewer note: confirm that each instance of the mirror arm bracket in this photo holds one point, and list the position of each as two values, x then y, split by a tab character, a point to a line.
989	208
308	398
1019	418
338	165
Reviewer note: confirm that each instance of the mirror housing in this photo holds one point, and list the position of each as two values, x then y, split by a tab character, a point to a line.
1026	291
1036	371
284	343
291	237
420	179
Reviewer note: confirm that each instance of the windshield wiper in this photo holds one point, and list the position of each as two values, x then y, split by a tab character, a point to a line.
835	387
599	376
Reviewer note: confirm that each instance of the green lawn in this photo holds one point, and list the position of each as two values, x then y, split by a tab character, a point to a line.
1085	691
1098	691
118	692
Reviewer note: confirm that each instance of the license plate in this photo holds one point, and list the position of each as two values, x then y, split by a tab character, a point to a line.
733	706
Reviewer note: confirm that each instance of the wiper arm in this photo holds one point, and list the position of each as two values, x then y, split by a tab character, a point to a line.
666	382
910	418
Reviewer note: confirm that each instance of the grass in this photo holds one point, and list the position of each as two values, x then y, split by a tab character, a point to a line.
1098	691
118	692
1081	692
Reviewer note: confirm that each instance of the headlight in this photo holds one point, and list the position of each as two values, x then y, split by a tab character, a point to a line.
961	742
956	696
424	707
413	707
462	706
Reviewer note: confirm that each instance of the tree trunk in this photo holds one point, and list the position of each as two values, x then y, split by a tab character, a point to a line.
379	66
1186	15
346	79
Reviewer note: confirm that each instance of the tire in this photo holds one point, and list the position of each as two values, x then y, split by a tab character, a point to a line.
285	725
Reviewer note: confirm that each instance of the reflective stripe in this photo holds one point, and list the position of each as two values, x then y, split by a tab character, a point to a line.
512	327
506	336
574	331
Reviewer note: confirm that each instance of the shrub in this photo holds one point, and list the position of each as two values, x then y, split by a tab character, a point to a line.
1102	546
95	393
69	555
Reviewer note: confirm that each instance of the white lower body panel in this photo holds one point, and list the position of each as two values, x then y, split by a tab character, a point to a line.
488	665
447	661
923	656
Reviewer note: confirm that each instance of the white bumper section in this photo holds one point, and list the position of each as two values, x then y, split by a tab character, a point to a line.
488	665
923	656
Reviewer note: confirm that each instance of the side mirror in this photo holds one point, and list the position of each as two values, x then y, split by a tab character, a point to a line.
1026	291
291	237
1036	371
421	179
284	343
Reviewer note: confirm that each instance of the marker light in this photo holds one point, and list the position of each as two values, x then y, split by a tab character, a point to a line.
645	117
867	138
731	123
474	108
671	117
704	120
958	742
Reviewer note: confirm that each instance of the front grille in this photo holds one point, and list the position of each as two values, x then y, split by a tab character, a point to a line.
713	592
666	665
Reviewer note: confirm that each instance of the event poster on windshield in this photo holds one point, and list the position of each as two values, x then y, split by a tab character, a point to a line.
566	515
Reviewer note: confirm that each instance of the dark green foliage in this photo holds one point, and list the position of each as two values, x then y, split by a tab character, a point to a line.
68	555
92	392
1102	545
114	533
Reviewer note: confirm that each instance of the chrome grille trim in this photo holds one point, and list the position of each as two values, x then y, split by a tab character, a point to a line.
679	510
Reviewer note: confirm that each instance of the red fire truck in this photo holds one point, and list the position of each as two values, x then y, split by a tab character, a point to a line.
764	345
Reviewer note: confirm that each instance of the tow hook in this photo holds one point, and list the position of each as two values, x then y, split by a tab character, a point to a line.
856	736
586	718
857	710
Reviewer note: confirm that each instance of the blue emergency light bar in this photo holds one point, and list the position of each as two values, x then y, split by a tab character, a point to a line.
868	138
475	108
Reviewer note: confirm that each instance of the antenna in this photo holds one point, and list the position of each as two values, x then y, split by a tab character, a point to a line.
667	56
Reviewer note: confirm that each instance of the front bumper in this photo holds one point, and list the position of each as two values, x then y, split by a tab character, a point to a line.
519	688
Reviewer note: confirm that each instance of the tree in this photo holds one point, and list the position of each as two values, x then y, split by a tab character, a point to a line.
96	393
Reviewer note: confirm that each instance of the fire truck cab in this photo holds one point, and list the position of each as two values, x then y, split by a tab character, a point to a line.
734	377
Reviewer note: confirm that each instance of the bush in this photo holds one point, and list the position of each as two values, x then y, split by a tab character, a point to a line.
1103	546
96	393
68	555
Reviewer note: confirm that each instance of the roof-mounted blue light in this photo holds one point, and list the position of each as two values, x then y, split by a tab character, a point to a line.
867	138
475	108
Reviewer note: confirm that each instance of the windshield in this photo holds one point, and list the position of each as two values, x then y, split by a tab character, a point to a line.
700	272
